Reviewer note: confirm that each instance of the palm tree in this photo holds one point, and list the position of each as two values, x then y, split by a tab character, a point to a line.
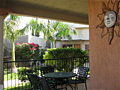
36	27
49	32
59	30
64	31
40	27
11	32
52	31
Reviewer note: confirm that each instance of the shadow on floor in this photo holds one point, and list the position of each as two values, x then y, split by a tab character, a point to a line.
81	86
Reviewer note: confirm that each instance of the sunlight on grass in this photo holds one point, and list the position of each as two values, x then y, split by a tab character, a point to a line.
23	86
9	76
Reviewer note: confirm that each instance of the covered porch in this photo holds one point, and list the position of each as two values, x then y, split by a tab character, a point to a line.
104	57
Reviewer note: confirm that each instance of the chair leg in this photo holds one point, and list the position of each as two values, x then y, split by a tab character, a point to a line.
66	86
85	85
70	86
76	87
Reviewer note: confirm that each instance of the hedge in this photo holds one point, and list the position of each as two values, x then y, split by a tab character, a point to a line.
67	54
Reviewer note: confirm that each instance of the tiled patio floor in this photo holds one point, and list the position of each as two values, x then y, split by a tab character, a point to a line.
82	85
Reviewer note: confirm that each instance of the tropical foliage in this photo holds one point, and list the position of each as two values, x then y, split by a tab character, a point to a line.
59	30
22	71
52	31
26	51
11	31
36	27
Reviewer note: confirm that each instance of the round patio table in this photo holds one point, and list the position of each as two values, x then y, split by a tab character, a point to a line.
60	75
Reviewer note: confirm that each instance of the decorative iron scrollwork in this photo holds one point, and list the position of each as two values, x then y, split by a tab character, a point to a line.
111	19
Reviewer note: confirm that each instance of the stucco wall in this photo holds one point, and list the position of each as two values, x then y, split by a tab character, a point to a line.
7	44
83	33
25	39
58	44
22	39
104	58
39	41
83	43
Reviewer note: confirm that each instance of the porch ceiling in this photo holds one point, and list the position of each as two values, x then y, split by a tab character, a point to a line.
66	10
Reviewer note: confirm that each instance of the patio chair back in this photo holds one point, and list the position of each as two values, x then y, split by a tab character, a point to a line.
80	78
40	83
29	78
35	81
47	69
83	72
44	84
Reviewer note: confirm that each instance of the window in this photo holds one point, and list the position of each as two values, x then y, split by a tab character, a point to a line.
67	45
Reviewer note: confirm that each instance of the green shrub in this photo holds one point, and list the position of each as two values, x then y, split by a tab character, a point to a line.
22	73
26	51
68	54
65	53
41	56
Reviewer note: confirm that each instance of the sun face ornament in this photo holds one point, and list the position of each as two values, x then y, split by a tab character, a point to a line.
111	19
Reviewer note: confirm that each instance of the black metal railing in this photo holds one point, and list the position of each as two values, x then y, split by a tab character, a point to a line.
16	79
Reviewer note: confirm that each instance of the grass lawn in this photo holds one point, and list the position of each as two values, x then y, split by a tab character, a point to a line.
9	76
23	86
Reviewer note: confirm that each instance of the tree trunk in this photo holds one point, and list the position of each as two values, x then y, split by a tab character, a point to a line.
52	44
55	43
13	67
62	43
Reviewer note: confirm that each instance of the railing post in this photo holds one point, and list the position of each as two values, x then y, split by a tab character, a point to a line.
3	13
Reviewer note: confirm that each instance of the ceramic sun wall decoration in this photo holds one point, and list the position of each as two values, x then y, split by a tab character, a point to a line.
111	19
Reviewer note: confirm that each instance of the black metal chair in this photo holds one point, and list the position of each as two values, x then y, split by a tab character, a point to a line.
46	69
35	81
40	83
80	78
45	85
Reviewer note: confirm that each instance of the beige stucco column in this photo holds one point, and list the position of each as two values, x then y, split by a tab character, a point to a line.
1	51
3	14
104	58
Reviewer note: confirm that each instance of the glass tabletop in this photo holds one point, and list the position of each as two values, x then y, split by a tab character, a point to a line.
60	75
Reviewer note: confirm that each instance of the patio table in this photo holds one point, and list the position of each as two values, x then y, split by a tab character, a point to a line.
60	76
